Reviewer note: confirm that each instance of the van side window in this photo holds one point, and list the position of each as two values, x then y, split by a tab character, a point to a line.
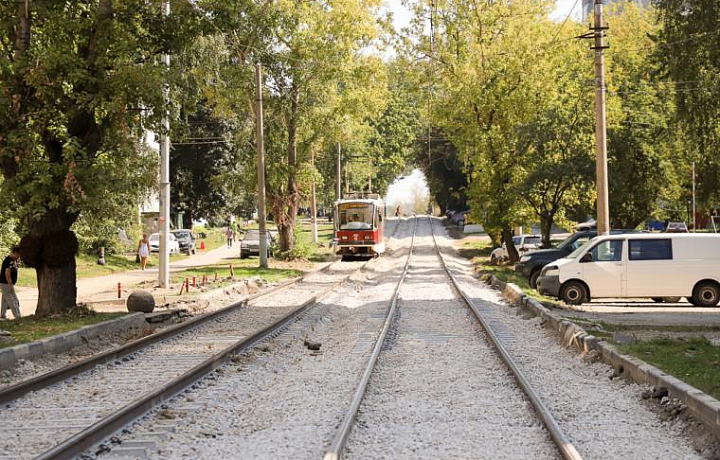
607	251
650	249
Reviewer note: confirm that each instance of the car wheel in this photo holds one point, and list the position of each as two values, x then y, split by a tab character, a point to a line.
691	300
574	293
493	260
534	278
706	294
243	255
658	299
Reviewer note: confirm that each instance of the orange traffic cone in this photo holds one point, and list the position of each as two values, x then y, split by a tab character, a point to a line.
202	245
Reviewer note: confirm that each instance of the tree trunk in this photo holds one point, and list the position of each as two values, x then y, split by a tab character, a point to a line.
57	291
286	225
512	251
50	247
546	222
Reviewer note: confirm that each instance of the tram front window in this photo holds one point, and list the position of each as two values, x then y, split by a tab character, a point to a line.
356	218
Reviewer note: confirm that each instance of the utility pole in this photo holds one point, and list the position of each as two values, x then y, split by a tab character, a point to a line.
164	271
347	178
313	204
261	166
338	187
603	212
694	208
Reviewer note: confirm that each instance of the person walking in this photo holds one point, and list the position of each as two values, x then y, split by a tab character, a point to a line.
143	250
8	278
233	227
229	235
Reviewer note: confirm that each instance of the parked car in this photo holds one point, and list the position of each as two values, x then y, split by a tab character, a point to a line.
173	243
638	265
676	227
250	244
531	263
186	241
523	244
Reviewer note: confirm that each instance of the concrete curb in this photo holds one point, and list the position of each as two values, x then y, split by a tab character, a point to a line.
704	407
67	340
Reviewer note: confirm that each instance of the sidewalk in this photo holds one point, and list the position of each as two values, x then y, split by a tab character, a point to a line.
105	287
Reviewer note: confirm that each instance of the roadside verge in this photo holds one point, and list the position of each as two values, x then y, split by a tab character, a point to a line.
704	407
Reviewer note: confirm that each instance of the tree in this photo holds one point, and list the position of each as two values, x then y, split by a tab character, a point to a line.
80	84
688	53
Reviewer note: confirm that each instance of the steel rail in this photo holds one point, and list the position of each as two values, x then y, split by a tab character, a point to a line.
39	382
105	427
566	448
336	448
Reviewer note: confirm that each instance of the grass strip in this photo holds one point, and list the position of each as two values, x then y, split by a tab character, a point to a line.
694	360
29	328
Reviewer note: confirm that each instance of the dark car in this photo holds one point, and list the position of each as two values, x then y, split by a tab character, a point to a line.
250	244
186	240
531	263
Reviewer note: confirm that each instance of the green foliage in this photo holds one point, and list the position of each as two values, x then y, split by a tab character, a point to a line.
688	53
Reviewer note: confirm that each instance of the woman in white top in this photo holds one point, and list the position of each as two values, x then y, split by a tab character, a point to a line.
143	250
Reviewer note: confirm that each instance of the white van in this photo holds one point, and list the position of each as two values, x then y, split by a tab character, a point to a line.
659	266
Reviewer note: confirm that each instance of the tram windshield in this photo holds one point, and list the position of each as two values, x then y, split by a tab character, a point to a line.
356	216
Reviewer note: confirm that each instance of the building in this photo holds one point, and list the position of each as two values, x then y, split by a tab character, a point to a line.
587	6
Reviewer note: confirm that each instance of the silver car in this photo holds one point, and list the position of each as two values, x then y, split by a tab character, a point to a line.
250	244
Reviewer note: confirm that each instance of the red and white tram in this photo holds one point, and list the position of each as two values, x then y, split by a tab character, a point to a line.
359	225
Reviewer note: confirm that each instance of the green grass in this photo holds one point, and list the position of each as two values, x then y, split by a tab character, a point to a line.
695	361
479	253
325	236
29	328
242	268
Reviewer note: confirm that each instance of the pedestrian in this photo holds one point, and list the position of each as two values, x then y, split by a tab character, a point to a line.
8	278
229	235
233	227
143	250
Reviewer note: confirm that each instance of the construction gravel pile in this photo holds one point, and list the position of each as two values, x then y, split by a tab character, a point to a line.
284	400
604	418
439	390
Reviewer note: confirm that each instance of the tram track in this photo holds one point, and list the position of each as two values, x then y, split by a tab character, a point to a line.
60	414
337	448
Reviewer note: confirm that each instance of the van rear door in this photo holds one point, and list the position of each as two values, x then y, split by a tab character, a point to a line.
604	273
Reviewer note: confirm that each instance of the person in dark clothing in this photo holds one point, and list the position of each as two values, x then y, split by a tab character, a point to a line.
8	278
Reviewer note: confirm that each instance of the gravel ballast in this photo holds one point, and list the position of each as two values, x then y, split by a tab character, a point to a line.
604	418
44	418
284	400
439	390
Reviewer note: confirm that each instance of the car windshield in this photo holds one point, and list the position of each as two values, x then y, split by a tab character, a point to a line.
182	234
577	251
533	240
573	242
516	240
155	237
252	235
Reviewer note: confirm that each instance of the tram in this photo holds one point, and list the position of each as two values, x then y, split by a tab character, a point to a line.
359	225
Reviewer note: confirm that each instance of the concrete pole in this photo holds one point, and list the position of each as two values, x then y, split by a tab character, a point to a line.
603	212
338	188
164	221
347	178
694	204
261	167
313	203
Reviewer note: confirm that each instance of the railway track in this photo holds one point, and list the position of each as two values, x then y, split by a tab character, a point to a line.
337	448
61	414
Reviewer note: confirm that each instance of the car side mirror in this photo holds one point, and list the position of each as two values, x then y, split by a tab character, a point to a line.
587	257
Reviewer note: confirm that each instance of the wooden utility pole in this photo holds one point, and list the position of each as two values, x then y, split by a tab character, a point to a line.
603	212
338	186
164	198
313	204
260	167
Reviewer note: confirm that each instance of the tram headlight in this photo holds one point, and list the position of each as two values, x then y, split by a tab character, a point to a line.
368	237
344	237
